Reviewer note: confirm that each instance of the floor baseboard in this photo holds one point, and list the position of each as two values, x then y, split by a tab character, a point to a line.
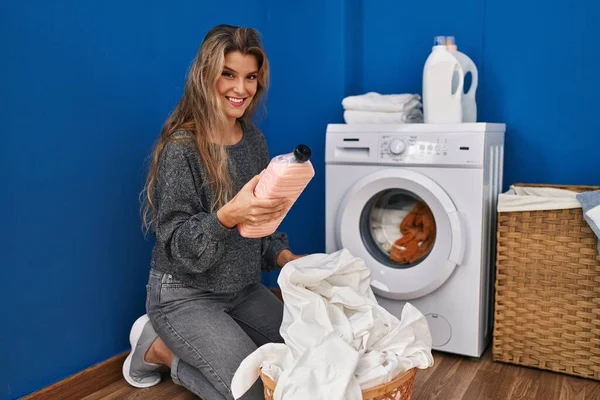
83	383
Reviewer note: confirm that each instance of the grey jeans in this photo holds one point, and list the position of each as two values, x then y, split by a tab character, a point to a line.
211	333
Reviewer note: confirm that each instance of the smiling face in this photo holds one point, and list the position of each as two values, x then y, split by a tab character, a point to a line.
238	83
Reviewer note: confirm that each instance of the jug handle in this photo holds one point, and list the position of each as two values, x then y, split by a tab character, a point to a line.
474	80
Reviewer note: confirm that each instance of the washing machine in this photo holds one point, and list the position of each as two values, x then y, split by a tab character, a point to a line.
417	203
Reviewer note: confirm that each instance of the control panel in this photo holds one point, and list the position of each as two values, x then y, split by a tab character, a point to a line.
431	149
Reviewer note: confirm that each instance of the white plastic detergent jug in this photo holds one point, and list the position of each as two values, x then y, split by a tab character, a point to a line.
442	104
469	104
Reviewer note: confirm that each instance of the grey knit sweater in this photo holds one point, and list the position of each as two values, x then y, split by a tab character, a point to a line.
191	244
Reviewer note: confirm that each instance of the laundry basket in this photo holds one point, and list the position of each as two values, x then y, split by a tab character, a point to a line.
400	388
547	304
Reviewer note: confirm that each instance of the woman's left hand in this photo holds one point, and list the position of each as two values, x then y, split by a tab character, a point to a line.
285	256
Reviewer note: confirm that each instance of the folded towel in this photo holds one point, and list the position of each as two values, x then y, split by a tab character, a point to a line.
372	117
590	202
373	101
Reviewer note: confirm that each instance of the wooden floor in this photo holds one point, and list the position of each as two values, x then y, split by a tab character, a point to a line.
451	378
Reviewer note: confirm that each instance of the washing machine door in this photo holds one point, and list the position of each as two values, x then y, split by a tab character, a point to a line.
407	230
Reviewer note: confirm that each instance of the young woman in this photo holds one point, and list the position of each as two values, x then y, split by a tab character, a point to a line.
206	308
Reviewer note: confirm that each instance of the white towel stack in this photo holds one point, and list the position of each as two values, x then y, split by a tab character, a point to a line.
376	108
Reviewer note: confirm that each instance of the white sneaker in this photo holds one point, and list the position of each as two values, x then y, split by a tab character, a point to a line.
136	371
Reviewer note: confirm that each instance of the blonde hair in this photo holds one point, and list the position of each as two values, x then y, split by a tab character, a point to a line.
199	111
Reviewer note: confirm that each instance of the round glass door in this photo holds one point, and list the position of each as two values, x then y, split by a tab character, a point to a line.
406	229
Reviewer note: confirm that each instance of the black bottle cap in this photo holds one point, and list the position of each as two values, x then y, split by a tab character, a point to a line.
302	153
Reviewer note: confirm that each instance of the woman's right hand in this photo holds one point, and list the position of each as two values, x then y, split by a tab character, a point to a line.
245	208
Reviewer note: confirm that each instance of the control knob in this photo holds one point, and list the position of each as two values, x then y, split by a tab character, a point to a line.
397	146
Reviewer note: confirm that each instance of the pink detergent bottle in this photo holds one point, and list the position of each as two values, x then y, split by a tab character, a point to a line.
286	176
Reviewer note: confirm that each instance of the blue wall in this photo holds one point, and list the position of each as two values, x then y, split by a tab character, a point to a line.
536	63
86	86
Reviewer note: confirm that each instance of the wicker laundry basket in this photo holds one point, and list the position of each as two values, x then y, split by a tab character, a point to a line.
400	388
547	305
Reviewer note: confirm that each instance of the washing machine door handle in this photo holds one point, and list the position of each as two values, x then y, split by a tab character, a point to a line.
458	248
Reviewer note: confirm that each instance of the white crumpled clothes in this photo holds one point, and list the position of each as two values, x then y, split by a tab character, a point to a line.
531	198
338	339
